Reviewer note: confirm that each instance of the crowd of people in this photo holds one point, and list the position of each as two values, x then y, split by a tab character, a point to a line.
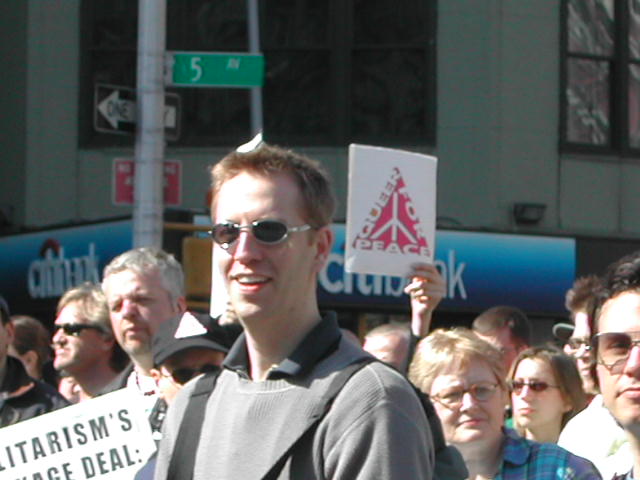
277	390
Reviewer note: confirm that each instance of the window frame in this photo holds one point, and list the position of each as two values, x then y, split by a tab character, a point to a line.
341	48
618	92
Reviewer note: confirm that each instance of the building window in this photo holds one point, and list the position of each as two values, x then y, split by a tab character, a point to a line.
337	71
601	76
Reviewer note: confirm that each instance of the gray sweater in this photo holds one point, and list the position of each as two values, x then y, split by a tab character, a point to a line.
376	427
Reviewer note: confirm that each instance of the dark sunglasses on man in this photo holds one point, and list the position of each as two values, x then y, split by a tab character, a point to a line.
183	375
269	232
75	329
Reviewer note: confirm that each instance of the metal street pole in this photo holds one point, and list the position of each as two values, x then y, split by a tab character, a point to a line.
148	203
254	47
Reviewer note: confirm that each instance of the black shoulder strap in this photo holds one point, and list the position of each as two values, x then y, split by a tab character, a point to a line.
183	457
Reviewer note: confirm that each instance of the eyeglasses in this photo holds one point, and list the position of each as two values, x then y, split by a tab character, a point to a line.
516	386
183	375
452	398
269	232
75	329
613	348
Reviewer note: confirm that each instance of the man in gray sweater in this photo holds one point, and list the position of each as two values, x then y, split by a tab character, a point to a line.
272	211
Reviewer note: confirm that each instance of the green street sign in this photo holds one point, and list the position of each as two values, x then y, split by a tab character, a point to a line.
205	69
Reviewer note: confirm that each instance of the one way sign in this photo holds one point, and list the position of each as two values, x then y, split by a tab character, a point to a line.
115	111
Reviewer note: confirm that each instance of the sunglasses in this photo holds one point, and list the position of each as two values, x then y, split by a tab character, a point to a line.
183	375
452	398
75	329
269	232
613	348
516	386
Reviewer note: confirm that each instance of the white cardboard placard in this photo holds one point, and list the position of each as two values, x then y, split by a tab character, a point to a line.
108	437
391	211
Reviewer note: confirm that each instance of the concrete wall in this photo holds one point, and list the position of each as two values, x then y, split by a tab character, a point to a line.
52	112
13	88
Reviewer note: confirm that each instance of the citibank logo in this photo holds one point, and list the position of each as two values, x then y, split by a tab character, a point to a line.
54	274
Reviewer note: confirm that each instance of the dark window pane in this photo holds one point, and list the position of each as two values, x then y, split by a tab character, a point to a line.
591	27
295	23
115	24
297	95
389	93
313	94
634	29
588	102
116	68
214	116
634	106
390	21
207	25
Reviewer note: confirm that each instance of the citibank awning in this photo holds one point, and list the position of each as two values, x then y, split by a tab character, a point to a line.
481	269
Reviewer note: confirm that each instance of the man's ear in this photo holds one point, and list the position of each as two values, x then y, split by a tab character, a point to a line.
11	331
324	242
181	305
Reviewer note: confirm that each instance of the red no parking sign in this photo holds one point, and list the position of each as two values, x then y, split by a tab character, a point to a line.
123	183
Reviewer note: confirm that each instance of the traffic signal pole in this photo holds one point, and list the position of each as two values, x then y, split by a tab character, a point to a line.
148	202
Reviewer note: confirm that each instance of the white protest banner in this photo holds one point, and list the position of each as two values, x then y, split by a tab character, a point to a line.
391	210
104	438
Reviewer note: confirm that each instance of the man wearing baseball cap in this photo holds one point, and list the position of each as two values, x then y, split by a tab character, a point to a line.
184	347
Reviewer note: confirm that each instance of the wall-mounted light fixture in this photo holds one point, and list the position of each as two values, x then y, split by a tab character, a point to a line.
528	213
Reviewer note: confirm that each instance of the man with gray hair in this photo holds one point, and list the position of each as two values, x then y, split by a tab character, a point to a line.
144	288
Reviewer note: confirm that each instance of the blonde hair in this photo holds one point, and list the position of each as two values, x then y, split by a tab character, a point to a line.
451	350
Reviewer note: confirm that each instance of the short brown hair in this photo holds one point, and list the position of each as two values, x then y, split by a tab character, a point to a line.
503	316
582	295
312	179
450	350
31	334
565	374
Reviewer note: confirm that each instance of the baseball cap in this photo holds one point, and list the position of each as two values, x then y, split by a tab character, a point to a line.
562	331
189	330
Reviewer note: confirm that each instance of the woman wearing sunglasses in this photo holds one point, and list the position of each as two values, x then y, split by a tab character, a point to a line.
546	391
465	377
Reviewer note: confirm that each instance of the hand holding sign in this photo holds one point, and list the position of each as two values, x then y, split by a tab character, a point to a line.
391	210
426	289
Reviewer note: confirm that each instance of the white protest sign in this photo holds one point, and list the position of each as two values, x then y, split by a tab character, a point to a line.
391	210
108	437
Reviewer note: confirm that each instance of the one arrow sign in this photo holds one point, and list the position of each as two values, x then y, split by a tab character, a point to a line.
115	111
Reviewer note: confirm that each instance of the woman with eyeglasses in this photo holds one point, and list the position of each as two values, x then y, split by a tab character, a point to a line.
465	377
546	391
